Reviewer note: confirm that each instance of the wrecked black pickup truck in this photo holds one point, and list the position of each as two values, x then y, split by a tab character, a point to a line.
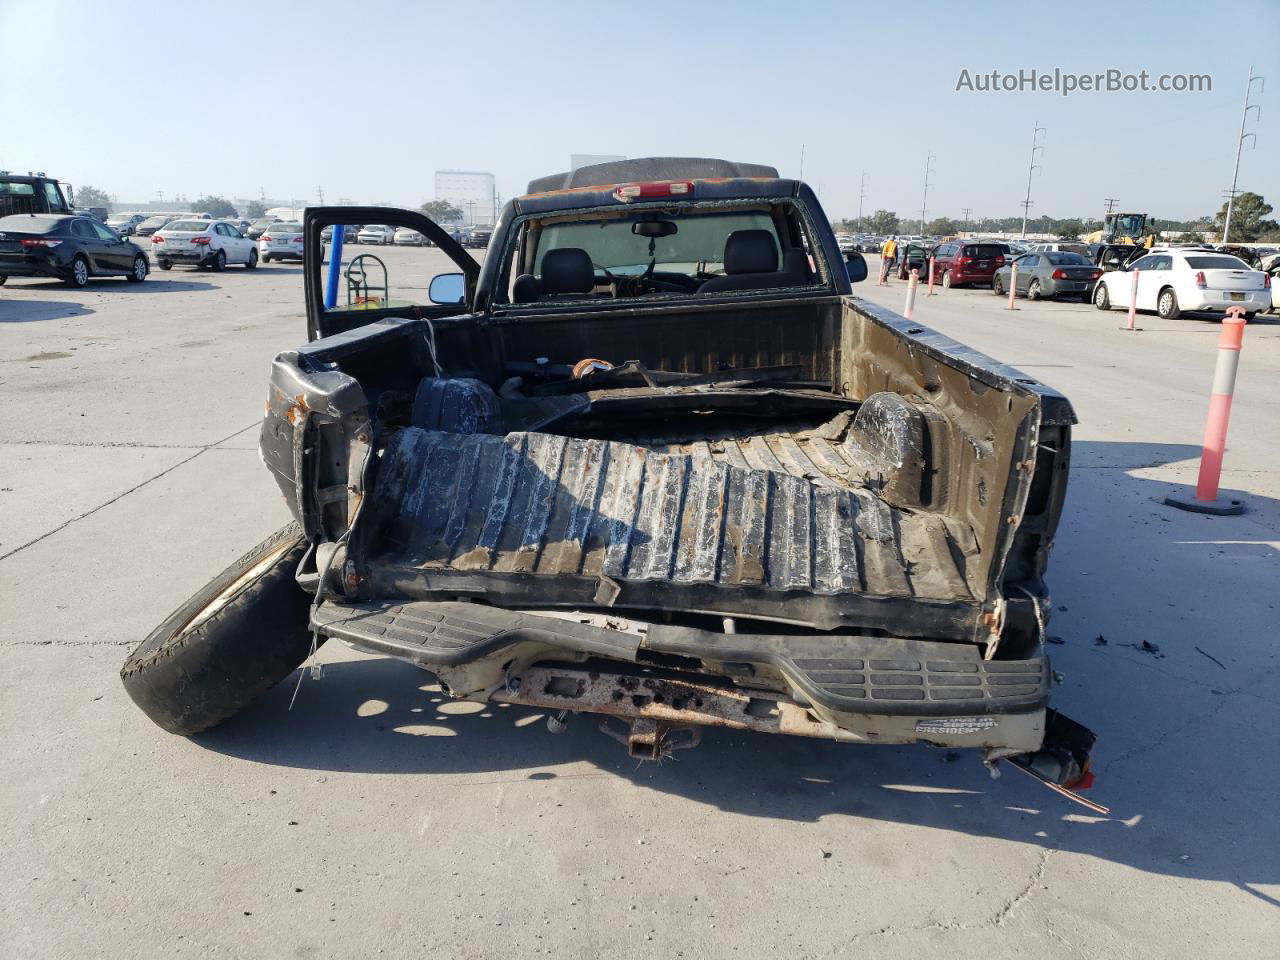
653	461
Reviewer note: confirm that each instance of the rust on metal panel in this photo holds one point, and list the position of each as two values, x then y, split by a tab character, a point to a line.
674	702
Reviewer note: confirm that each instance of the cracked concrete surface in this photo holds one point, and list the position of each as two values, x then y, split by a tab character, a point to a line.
376	815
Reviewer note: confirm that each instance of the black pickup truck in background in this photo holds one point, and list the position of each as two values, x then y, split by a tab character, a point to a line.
652	460
34	193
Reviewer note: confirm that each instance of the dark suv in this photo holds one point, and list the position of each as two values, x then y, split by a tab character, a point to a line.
962	262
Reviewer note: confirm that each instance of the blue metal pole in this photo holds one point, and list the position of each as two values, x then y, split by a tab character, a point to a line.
335	267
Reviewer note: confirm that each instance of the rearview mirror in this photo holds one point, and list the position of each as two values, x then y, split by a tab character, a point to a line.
447	288
653	228
856	265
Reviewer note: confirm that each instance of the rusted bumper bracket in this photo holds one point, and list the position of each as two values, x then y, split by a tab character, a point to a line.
659	708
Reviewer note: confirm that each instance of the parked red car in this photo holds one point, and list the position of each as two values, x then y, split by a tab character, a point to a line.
962	262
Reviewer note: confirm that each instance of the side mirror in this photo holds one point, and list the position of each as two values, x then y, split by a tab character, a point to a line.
447	288
856	266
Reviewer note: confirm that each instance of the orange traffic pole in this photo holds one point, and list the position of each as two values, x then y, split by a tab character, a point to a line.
1215	429
910	305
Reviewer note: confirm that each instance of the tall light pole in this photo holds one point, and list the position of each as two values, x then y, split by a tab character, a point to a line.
862	195
1244	116
924	201
1036	146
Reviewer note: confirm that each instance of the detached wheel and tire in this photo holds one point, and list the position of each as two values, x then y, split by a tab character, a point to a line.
1101	298
1167	305
240	635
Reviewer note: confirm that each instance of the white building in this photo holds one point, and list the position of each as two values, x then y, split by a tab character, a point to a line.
472	192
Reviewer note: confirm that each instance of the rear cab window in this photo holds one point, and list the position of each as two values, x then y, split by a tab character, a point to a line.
673	249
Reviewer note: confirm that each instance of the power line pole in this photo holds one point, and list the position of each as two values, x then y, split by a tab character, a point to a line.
802	161
966	211
924	201
1036	145
320	190
1244	116
1110	202
862	195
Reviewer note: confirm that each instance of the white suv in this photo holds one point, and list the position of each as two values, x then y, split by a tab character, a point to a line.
204	243
1173	282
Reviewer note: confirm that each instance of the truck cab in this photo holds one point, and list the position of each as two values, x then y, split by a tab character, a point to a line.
33	193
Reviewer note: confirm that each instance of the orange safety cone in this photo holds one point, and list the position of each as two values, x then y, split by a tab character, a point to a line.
1206	499
914	282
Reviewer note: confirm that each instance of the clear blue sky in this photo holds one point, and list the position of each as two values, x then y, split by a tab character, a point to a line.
229	98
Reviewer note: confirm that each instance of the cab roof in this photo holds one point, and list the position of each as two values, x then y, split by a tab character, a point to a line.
649	168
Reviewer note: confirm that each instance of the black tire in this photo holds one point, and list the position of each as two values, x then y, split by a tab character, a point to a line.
3	279
946	279
78	275
240	635
1034	292
166	264
253	260
139	271
1167	305
997	286
1101	296
220	262
266	258
1248	317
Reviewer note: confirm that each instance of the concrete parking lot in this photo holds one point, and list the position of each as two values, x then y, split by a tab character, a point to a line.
377	817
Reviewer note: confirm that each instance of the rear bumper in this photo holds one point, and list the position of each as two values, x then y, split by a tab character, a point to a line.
1219	301
31	267
183	256
848	688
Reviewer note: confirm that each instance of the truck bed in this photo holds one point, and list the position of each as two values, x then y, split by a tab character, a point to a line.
773	526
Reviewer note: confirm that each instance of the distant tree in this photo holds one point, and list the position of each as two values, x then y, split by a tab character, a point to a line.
215	207
441	211
1248	221
1070	229
941	227
255	209
87	196
883	222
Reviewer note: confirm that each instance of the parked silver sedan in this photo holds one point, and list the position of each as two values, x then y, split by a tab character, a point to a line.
1050	275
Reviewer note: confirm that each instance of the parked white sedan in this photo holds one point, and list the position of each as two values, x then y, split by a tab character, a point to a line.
205	243
1174	282
376	233
408	237
281	241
